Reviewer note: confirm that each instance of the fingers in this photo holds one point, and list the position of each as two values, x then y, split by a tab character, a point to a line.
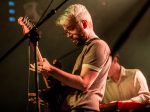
44	59
20	20
43	66
32	68
40	63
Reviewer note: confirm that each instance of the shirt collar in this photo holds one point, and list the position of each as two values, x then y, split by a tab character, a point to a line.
122	74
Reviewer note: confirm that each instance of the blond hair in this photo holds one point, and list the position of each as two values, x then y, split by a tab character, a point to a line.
75	13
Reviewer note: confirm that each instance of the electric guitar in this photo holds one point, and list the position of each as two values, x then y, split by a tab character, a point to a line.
27	25
52	95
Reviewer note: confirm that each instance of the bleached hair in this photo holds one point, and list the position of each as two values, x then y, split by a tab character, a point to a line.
74	13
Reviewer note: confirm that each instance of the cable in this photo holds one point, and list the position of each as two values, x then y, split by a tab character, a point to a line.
45	11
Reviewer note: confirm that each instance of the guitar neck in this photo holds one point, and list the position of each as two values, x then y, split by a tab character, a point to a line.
39	56
38	53
40	59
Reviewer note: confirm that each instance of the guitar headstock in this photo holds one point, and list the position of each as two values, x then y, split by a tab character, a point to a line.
26	24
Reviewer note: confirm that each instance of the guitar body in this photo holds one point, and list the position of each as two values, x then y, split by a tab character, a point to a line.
53	94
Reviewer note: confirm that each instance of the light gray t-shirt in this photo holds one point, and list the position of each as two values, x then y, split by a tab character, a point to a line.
96	56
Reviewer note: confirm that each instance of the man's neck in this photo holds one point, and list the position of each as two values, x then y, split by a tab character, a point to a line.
90	34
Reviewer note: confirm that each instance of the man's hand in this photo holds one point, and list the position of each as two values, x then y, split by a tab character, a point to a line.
42	67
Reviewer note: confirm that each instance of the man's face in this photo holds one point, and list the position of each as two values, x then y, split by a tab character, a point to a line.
115	70
110	72
75	33
113	67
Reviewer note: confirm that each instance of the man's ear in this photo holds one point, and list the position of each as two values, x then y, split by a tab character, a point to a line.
84	23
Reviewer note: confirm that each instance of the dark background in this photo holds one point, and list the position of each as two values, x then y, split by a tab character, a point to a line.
110	17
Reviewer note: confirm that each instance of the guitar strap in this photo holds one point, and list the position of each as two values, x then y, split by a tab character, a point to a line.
77	49
89	41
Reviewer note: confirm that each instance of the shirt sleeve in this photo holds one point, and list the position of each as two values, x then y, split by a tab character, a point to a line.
142	88
96	55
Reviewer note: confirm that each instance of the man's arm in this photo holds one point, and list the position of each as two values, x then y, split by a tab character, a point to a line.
72	80
94	59
142	88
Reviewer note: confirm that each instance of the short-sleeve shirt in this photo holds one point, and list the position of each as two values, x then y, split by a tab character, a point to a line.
96	56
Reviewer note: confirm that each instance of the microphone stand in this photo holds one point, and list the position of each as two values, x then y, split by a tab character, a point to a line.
34	38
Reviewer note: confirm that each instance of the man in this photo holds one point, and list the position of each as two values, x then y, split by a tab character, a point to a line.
126	85
88	78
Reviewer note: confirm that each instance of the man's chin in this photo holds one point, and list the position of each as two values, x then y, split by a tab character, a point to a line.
79	41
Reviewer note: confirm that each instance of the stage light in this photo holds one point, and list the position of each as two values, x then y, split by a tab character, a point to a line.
11	11
11	3
12	19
